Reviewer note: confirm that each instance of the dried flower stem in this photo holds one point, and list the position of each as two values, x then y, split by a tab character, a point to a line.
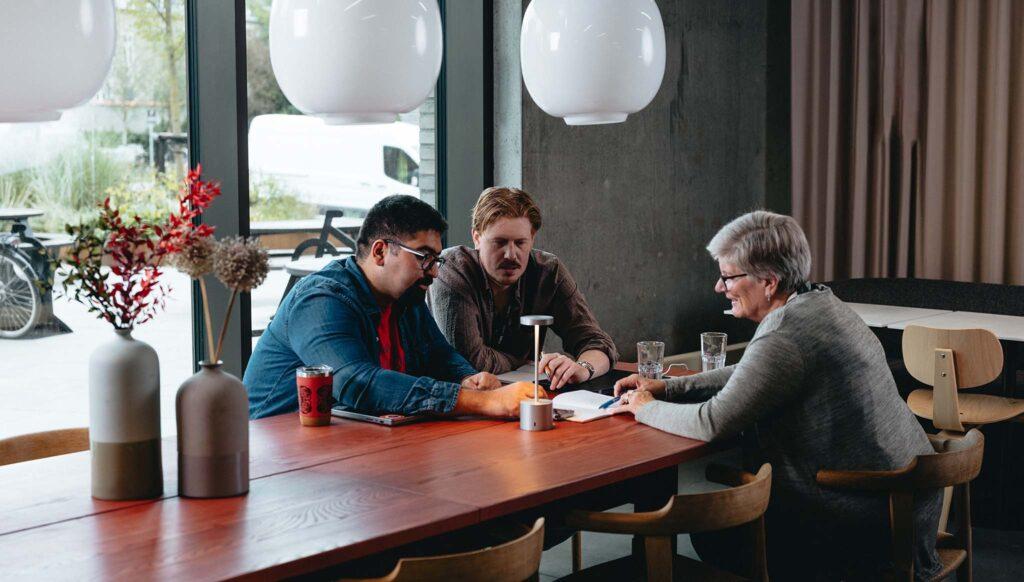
224	328
209	324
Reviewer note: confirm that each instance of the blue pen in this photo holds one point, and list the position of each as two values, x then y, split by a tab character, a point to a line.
609	403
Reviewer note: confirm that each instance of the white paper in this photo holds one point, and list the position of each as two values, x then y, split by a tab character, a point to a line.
581	401
522	374
586	405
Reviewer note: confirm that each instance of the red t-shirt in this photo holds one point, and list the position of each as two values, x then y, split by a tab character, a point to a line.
391	355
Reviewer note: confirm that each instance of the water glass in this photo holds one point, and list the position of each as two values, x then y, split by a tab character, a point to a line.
650	358
712	350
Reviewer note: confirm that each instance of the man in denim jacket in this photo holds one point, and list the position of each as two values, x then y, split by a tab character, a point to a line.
366	318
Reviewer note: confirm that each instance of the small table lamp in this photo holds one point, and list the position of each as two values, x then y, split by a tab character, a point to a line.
536	414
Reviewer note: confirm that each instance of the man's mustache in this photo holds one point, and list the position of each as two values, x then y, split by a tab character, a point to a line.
508	265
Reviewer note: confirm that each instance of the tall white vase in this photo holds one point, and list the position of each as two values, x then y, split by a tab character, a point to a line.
124	420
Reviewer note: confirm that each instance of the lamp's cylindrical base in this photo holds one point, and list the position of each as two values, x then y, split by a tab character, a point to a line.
536	415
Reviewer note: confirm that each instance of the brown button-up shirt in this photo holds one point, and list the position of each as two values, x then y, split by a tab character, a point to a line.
463	305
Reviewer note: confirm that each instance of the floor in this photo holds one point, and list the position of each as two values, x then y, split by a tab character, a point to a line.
998	555
598	548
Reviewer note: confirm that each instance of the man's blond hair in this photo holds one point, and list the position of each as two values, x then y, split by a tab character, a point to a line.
500	202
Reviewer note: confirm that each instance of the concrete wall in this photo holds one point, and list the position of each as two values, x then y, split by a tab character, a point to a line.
630	207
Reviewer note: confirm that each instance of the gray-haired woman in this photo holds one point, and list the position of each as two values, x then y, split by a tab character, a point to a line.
813	391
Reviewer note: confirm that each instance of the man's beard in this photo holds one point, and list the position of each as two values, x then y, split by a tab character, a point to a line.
415	294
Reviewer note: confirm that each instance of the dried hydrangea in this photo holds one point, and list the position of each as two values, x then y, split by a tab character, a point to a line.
195	258
240	264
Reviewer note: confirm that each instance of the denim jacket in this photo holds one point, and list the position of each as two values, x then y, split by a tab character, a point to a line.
330	317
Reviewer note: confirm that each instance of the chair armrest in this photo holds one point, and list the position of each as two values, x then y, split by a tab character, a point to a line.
604	522
895	480
729	476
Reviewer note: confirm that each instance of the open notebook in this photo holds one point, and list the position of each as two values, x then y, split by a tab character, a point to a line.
586	405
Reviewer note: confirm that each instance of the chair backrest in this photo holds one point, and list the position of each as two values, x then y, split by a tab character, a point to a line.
957	461
742	503
977	353
43	444
513	561
951	360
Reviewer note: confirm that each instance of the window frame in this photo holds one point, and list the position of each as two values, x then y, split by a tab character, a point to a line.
218	126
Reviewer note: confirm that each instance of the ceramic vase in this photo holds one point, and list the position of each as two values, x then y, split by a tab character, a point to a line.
212	410
124	419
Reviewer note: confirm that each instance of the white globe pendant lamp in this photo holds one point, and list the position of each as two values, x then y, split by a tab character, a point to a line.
54	55
356	61
592	61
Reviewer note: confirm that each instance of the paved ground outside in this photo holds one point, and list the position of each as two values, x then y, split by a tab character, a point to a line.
44	382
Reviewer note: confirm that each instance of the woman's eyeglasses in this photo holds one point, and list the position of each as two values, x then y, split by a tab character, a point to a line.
726	278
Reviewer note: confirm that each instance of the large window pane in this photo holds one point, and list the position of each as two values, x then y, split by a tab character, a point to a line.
129	143
302	170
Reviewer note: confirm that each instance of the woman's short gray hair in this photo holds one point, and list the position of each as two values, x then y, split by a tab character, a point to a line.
763	244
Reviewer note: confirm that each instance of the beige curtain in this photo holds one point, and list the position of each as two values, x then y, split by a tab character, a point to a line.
908	137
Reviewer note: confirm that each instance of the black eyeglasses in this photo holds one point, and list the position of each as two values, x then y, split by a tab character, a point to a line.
726	278
427	260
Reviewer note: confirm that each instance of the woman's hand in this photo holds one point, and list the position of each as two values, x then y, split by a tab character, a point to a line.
635	382
633	401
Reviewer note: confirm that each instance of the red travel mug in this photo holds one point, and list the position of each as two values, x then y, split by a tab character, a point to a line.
314	384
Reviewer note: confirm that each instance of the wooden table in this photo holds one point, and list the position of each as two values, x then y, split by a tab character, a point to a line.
886	315
318	497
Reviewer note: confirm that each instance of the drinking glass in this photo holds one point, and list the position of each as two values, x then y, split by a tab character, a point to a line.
650	356
712	350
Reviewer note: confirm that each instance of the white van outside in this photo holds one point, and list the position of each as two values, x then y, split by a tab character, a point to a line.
345	167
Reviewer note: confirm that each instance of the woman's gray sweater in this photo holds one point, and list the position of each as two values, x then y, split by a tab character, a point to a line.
814	388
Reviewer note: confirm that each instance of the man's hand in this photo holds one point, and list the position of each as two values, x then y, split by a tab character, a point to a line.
502	402
481	381
562	370
635	382
633	401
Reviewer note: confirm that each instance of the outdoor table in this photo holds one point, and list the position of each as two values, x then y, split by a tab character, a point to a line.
20	216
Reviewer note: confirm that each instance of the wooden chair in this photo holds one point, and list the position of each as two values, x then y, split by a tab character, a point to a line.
43	444
744	503
951	360
513	561
956	463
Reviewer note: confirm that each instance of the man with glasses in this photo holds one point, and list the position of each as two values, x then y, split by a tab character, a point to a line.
480	295
365	317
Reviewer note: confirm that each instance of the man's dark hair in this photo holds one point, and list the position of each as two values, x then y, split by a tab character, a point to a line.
399	216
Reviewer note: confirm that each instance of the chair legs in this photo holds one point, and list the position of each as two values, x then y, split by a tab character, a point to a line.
577	551
659	558
947	498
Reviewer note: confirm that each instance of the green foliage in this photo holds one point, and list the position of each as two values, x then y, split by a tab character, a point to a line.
264	94
151	199
14	191
270	200
160	24
73	182
70	186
